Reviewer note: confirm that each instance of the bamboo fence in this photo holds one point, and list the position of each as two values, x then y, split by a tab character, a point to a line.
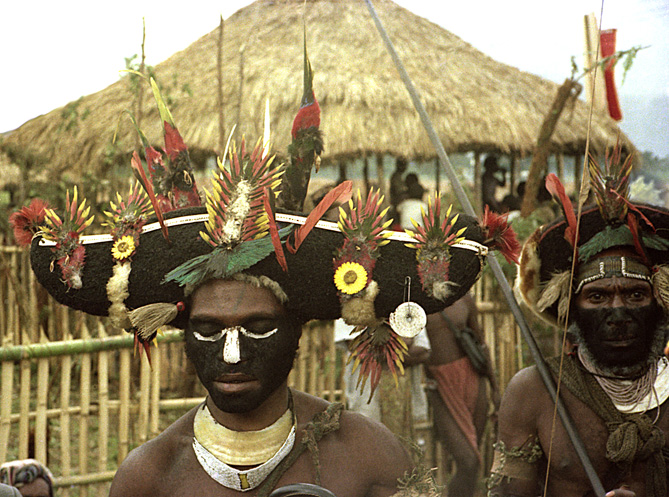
76	396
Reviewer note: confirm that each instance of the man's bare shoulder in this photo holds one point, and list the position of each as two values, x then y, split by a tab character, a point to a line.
354	429
363	449
158	457
524	400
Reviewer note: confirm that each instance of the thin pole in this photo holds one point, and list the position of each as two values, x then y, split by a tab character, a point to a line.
542	367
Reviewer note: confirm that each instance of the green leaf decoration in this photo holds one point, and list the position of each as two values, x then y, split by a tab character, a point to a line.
222	262
655	242
605	239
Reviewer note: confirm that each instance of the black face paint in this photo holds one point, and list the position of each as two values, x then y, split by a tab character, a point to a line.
619	338
267	360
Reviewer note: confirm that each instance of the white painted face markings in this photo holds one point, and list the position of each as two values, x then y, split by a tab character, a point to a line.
231	349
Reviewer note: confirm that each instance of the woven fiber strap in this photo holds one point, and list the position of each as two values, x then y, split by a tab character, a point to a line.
632	437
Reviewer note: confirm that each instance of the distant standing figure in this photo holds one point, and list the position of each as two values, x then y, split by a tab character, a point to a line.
458	396
397	185
410	208
490	180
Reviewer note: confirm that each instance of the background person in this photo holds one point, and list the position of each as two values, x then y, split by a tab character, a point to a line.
615	380
458	394
492	177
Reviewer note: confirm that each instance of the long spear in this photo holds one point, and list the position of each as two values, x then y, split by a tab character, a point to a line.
539	360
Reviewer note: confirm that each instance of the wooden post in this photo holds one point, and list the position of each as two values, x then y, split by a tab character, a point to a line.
144	398
6	398
365	171
84	404
381	176
560	167
24	409
154	419
578	161
65	386
331	356
569	89
103	403
40	409
478	200
124	405
513	173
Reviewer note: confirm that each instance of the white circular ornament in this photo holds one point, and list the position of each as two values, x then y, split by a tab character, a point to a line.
408	319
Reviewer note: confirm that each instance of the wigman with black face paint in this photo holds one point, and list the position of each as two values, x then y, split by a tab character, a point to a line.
241	276
614	377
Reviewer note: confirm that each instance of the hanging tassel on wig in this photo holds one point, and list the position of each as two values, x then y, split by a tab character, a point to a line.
660	284
147	319
558	289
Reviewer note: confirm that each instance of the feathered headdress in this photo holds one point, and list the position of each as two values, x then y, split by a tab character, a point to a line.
141	271
545	280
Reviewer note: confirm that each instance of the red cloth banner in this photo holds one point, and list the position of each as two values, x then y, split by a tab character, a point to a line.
607	40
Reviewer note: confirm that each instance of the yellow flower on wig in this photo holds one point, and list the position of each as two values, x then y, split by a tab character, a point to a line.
350	278
123	248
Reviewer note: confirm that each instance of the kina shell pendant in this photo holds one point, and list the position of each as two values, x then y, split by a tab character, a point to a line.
408	319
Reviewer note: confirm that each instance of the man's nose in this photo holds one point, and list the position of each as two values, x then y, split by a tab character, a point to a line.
231	354
618	316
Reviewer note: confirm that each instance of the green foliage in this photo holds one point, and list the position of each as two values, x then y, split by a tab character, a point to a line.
137	77
624	57
133	73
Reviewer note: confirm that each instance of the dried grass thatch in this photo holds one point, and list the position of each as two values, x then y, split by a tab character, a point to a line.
475	103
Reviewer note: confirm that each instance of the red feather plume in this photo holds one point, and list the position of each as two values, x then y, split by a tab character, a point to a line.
556	189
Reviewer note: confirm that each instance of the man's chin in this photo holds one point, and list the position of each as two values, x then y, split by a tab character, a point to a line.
235	404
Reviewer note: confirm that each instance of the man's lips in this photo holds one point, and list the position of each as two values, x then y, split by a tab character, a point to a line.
620	342
235	382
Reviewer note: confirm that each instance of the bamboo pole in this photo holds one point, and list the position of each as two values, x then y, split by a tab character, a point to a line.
114	406
164	380
65	386
32	303
41	421
79	346
309	371
124	405
331	359
24	409
5	329
299	373
84	403
103	402
101	477
315	376
12	308
154	413
144	393
6	396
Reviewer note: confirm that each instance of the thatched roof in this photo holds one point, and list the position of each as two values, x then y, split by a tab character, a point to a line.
476	103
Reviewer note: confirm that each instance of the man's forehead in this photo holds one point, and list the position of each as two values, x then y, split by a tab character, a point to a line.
609	265
616	282
230	298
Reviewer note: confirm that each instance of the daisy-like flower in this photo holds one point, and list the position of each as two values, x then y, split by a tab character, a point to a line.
350	278
123	248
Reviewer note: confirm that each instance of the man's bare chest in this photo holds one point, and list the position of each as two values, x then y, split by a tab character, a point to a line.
620	440
339	475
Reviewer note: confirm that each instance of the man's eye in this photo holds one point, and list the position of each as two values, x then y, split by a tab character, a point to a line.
637	295
207	332
261	329
596	297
